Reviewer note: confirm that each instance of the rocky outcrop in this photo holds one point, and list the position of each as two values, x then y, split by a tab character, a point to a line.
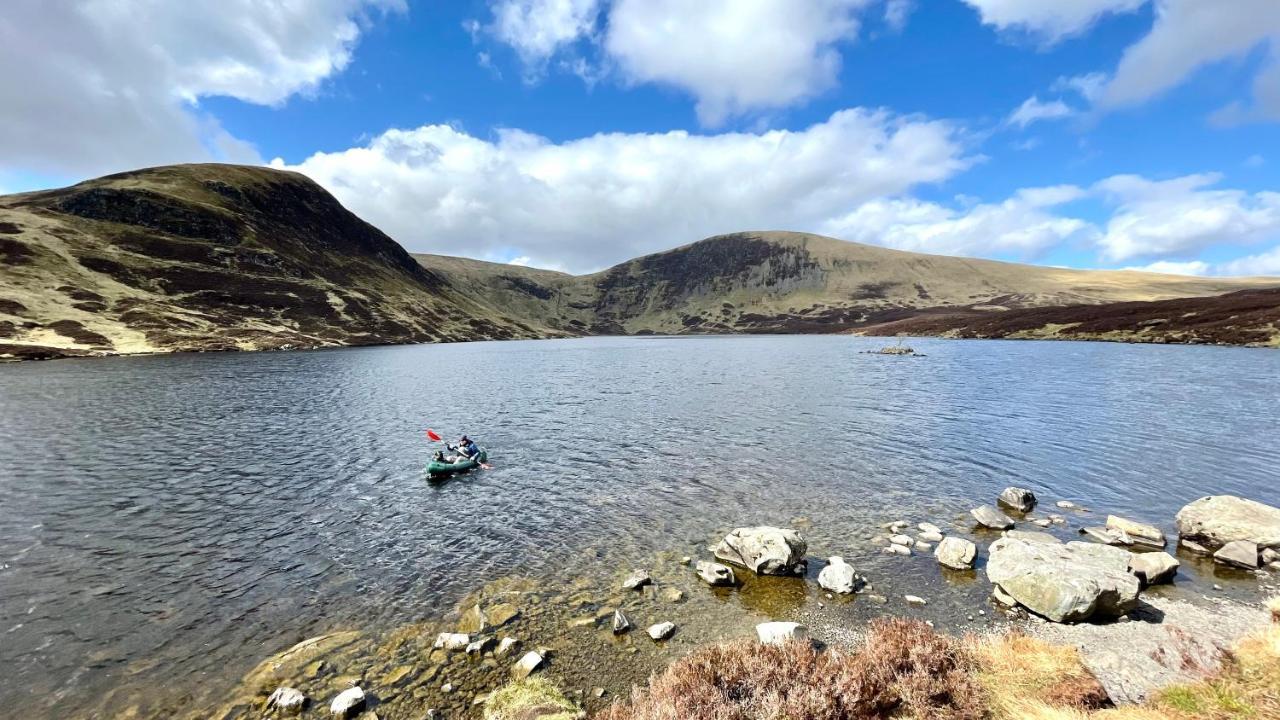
764	550
778	633
1019	499
956	553
838	577
1217	520
1064	583
990	517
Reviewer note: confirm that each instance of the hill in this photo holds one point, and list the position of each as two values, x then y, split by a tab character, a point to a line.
212	257
782	282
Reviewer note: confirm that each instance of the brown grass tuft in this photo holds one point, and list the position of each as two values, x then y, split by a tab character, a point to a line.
904	668
1274	606
1018	672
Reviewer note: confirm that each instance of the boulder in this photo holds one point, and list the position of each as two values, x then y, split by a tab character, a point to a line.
930	536
1136	530
1194	547
777	633
1153	568
1239	553
930	528
621	623
988	516
1064	583
473	620
1020	499
897	550
1042	522
1217	520
715	573
452	641
923	546
1105	535
501	614
348	703
764	550
661	631
506	646
1003	597
904	540
287	700
481	646
636	580
529	663
956	553
1270	555
838	577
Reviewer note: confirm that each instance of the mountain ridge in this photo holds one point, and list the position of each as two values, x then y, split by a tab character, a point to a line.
226	257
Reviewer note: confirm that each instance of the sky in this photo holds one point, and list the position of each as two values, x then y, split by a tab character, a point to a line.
575	134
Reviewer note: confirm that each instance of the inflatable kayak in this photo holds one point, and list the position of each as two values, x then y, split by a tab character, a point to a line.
438	469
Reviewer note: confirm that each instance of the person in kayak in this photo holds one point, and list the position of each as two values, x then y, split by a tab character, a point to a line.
468	448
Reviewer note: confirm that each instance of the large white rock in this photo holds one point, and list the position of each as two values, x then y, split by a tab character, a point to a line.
452	641
526	665
764	550
662	630
777	633
956	553
715	573
1218	519
348	703
838	577
1020	499
1064	583
1153	567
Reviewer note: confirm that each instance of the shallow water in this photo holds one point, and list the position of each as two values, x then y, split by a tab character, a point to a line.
166	522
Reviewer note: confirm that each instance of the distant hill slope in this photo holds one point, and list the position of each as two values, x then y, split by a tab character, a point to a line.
779	282
223	257
211	257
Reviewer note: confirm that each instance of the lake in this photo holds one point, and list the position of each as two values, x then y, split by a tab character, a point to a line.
168	521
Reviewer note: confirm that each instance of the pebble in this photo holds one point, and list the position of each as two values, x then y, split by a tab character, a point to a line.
915	600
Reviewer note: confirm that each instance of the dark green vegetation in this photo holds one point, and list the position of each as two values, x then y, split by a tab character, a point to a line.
222	257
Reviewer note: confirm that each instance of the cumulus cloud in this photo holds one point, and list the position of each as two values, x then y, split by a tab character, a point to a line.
1173	267
1189	34
1033	110
896	13
588	203
1183	216
1023	225
1050	20
1265	263
94	85
537	29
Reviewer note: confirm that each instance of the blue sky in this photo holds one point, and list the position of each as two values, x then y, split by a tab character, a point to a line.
577	133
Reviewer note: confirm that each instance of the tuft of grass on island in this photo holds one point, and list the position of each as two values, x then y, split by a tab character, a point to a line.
1074	629
212	257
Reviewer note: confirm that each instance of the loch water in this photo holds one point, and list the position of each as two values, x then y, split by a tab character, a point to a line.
168	521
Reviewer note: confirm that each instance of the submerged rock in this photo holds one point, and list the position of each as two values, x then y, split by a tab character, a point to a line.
929	528
988	516
838	576
1239	553
661	631
715	573
287	700
1154	567
348	703
1020	499
777	633
1032	536
897	550
764	550
956	553
1219	519
636	580
1064	583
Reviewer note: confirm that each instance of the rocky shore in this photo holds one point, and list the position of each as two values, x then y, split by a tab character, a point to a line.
519	648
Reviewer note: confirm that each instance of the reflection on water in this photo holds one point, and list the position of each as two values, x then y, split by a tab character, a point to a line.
174	519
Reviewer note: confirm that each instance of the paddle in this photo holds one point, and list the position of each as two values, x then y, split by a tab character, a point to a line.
431	434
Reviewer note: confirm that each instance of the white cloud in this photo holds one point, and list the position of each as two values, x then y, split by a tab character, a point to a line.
1051	20
1022	225
537	29
1183	216
896	13
1189	34
733	56
1088	86
589	203
97	85
1034	110
1174	267
1265	263
1255	161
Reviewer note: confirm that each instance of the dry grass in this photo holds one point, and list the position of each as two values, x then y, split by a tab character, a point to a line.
529	699
1247	687
903	669
1274	606
1021	674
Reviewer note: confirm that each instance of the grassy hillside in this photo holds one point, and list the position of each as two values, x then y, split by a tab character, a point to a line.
212	257
794	282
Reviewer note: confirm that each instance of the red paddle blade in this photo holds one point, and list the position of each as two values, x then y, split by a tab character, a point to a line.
432	434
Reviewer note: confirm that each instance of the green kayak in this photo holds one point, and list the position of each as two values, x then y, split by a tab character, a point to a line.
438	469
